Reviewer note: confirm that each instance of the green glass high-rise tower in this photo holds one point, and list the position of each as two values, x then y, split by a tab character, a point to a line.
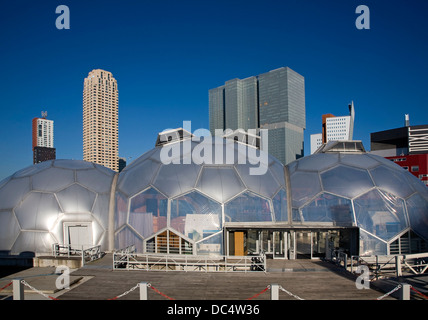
274	100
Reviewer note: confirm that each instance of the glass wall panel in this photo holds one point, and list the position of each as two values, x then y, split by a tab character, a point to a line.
417	208
277	170
121	216
125	238
380	213
248	207
329	208
211	246
137	178
304	186
148	212
346	181
280	205
371	245
392	180
195	216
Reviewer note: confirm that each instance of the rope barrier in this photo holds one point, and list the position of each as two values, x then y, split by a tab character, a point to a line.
158	292
398	287
418	292
390	292
257	294
38	291
289	293
10	283
125	293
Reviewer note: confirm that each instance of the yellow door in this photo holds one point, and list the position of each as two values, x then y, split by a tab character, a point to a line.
239	243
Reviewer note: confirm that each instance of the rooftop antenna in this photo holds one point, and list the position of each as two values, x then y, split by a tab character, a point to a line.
44	114
406	120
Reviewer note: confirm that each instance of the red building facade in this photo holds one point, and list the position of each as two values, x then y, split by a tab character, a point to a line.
416	164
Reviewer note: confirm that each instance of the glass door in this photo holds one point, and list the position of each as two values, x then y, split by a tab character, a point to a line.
280	245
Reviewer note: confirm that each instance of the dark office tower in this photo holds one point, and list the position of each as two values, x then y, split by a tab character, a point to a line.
41	154
43	139
282	112
216	109
274	100
241	104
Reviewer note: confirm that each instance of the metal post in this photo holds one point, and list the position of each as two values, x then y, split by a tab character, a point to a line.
143	291
274	291
83	257
18	289
405	291
398	271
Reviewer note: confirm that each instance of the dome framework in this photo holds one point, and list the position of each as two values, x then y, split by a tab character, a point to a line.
340	198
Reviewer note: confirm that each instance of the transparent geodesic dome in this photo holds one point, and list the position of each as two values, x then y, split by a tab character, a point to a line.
56	201
359	189
181	207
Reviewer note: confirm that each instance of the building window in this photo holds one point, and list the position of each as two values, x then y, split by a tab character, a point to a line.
415	168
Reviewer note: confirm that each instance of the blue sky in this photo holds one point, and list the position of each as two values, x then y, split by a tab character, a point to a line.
166	55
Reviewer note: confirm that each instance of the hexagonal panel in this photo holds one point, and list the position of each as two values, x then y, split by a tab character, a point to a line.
384	161
38	211
280	205
175	179
362	161
247	207
277	170
121	211
76	199
137	178
265	185
13	191
346	181
371	245
127	237
101	208
329	208
53	179
195	216
380	213
9	230
73	164
148	212
220	183
304	186
319	161
31	241
95	180
392	181
31	170
417	208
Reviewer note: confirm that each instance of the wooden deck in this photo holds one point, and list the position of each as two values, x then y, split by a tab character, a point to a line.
310	280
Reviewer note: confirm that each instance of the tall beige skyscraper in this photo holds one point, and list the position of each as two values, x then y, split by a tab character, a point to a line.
100	119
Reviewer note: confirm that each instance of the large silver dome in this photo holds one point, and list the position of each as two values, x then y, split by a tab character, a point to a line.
52	202
359	189
207	199
190	203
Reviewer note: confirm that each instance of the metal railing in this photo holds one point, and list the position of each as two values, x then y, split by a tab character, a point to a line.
384	265
87	254
187	263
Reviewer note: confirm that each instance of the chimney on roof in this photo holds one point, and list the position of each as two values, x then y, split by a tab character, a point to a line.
406	120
